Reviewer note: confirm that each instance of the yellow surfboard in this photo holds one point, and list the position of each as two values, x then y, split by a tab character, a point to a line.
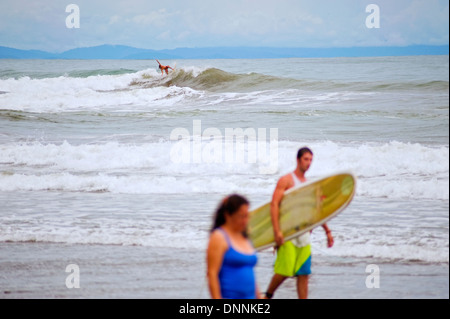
303	208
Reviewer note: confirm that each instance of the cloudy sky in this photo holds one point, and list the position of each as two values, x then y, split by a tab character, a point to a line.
169	24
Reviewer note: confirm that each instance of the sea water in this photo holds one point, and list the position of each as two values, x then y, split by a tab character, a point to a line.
90	161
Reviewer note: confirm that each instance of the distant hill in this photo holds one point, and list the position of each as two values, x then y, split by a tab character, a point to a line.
131	53
10	53
111	52
267	52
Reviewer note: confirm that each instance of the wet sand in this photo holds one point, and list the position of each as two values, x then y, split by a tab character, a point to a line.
38	271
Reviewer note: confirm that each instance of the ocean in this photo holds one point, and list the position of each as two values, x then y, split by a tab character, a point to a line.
110	172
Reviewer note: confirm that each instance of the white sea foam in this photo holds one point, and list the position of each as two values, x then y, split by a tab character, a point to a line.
95	167
360	232
148	88
106	92
392	170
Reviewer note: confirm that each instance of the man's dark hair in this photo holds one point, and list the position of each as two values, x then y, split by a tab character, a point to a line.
302	151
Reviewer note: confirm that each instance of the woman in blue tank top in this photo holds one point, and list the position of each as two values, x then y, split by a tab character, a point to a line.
231	256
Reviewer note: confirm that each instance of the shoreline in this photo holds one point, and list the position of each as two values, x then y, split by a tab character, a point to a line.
37	270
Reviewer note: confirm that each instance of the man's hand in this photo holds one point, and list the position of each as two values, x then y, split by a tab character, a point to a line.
279	239
330	239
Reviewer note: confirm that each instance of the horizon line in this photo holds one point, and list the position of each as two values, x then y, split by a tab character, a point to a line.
121	52
238	46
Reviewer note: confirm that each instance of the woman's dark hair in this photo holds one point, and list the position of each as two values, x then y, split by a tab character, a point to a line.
230	205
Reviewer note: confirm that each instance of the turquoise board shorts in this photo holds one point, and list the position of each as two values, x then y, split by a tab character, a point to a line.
292	260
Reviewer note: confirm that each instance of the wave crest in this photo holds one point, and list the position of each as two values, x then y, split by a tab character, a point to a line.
212	79
217	80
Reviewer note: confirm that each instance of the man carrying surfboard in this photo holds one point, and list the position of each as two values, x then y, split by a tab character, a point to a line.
293	256
164	68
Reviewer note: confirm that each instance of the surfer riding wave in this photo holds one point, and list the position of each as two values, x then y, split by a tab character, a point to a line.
164	68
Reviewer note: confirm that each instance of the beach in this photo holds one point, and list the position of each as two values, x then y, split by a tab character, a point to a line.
137	272
115	171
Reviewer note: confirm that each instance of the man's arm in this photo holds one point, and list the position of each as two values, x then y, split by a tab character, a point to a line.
330	238
278	194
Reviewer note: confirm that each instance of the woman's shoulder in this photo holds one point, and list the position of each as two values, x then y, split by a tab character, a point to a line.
218	235
217	240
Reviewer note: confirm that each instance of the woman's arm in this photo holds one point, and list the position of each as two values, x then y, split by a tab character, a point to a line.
215	252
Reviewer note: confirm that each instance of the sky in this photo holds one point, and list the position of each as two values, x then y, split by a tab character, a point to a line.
170	24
